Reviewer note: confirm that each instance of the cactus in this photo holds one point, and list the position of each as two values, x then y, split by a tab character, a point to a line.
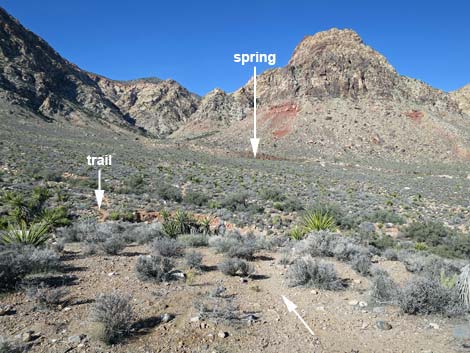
463	285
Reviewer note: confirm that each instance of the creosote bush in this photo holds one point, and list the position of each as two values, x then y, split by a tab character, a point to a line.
312	273
114	312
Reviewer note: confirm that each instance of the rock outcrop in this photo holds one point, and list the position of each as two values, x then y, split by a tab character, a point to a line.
158	106
462	97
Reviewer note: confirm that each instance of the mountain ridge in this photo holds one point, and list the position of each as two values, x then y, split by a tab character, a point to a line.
332	73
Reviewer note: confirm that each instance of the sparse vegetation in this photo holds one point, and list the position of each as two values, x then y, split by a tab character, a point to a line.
169	192
235	266
47	297
312	273
383	288
16	262
154	268
114	313
194	259
428	296
168	247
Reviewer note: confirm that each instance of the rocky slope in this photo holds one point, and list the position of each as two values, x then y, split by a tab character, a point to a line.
339	97
158	106
462	97
34	75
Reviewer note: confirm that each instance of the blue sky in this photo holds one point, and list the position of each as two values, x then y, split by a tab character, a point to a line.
193	42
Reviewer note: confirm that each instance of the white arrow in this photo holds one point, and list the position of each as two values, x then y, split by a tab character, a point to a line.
254	140
99	193
291	307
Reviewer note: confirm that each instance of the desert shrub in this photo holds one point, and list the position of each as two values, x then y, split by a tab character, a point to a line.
347	250
330	244
196	198
289	205
383	289
463	286
440	239
318	244
90	249
77	232
218	309
194	259
235	266
153	268
143	233
382	241
236	201
168	247
122	215
428	296
384	216
113	245
16	262
431	233
114	312
47	297
169	192
273	194
134	184
35	234
194	240
10	346
361	264
235	245
312	273
390	255
428	264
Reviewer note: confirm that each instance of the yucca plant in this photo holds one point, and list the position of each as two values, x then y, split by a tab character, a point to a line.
317	220
205	225
171	228
463	285
297	233
36	234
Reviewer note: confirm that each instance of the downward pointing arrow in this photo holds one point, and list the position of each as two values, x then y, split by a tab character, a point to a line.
254	140
291	307
254	145
99	193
